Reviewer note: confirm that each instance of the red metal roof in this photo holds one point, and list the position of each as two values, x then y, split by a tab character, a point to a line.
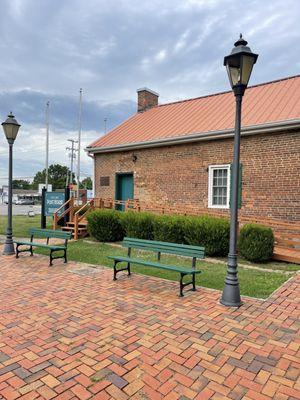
265	103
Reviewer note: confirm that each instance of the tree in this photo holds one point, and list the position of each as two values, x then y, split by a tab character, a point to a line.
57	176
86	183
21	184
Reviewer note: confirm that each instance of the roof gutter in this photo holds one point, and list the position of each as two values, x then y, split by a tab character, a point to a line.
196	137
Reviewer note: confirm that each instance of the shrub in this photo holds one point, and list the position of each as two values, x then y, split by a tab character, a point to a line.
105	225
168	228
256	242
209	232
138	225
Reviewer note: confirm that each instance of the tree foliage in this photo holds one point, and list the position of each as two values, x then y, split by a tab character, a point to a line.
21	184
86	183
57	176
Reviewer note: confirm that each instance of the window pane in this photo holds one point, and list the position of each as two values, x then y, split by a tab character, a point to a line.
219	186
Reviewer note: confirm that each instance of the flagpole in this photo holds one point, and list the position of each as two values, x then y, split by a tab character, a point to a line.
47	142
79	143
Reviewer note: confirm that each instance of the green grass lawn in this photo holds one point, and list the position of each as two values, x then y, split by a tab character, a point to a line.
21	224
272	264
252	283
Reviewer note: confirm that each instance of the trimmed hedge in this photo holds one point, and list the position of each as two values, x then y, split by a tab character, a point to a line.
209	232
137	225
256	242
169	228
105	225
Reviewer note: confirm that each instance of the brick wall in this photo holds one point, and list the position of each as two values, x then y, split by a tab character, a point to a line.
146	99
178	174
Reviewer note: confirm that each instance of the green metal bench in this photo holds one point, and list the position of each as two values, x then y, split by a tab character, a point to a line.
48	234
194	252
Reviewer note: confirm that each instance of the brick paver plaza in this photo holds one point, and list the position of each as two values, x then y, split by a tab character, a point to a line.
70	332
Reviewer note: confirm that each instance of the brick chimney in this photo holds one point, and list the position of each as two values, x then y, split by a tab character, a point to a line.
146	99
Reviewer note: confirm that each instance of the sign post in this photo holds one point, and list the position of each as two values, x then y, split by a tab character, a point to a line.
67	197
43	216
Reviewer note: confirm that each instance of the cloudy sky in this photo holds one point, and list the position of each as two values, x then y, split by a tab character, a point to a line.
51	48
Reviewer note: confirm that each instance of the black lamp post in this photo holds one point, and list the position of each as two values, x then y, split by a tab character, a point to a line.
11	128
239	66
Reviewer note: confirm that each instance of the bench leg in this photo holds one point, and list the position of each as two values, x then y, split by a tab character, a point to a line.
65	257
115	271
23	251
51	259
121	269
181	285
194	282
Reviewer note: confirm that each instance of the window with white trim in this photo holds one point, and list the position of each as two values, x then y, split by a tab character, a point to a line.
219	186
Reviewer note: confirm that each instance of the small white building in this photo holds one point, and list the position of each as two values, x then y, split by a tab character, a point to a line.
18	194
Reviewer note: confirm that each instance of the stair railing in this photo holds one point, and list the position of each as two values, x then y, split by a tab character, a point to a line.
79	217
59	214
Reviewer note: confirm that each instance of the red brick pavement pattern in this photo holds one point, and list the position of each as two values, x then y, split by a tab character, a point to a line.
70	332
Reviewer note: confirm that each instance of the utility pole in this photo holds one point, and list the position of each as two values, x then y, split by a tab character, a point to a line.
72	155
105	125
47	142
79	142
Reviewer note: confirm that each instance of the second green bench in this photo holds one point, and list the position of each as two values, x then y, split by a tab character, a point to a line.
194	252
46	234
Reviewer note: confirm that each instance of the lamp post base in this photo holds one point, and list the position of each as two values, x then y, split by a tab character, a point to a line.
231	296
9	248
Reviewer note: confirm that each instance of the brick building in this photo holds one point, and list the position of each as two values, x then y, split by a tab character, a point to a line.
180	153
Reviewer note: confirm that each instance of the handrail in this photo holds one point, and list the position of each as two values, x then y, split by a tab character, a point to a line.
83	207
78	217
57	217
284	231
65	212
63	205
136	205
89	209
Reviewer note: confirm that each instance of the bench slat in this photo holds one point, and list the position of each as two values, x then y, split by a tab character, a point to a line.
170	244
49	233
165	247
156	265
34	244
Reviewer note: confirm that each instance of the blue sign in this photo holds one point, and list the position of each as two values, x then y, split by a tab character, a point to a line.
53	200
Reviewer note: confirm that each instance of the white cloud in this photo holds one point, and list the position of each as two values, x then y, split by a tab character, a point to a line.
29	151
52	48
160	55
16	8
182	41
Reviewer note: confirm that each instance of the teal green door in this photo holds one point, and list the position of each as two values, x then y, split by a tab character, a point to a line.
124	188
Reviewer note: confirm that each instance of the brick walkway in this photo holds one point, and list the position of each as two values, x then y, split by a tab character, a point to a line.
70	332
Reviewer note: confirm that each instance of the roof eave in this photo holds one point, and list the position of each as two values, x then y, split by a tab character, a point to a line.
200	136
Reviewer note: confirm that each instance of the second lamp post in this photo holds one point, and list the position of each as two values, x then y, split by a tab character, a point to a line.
239	66
11	128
